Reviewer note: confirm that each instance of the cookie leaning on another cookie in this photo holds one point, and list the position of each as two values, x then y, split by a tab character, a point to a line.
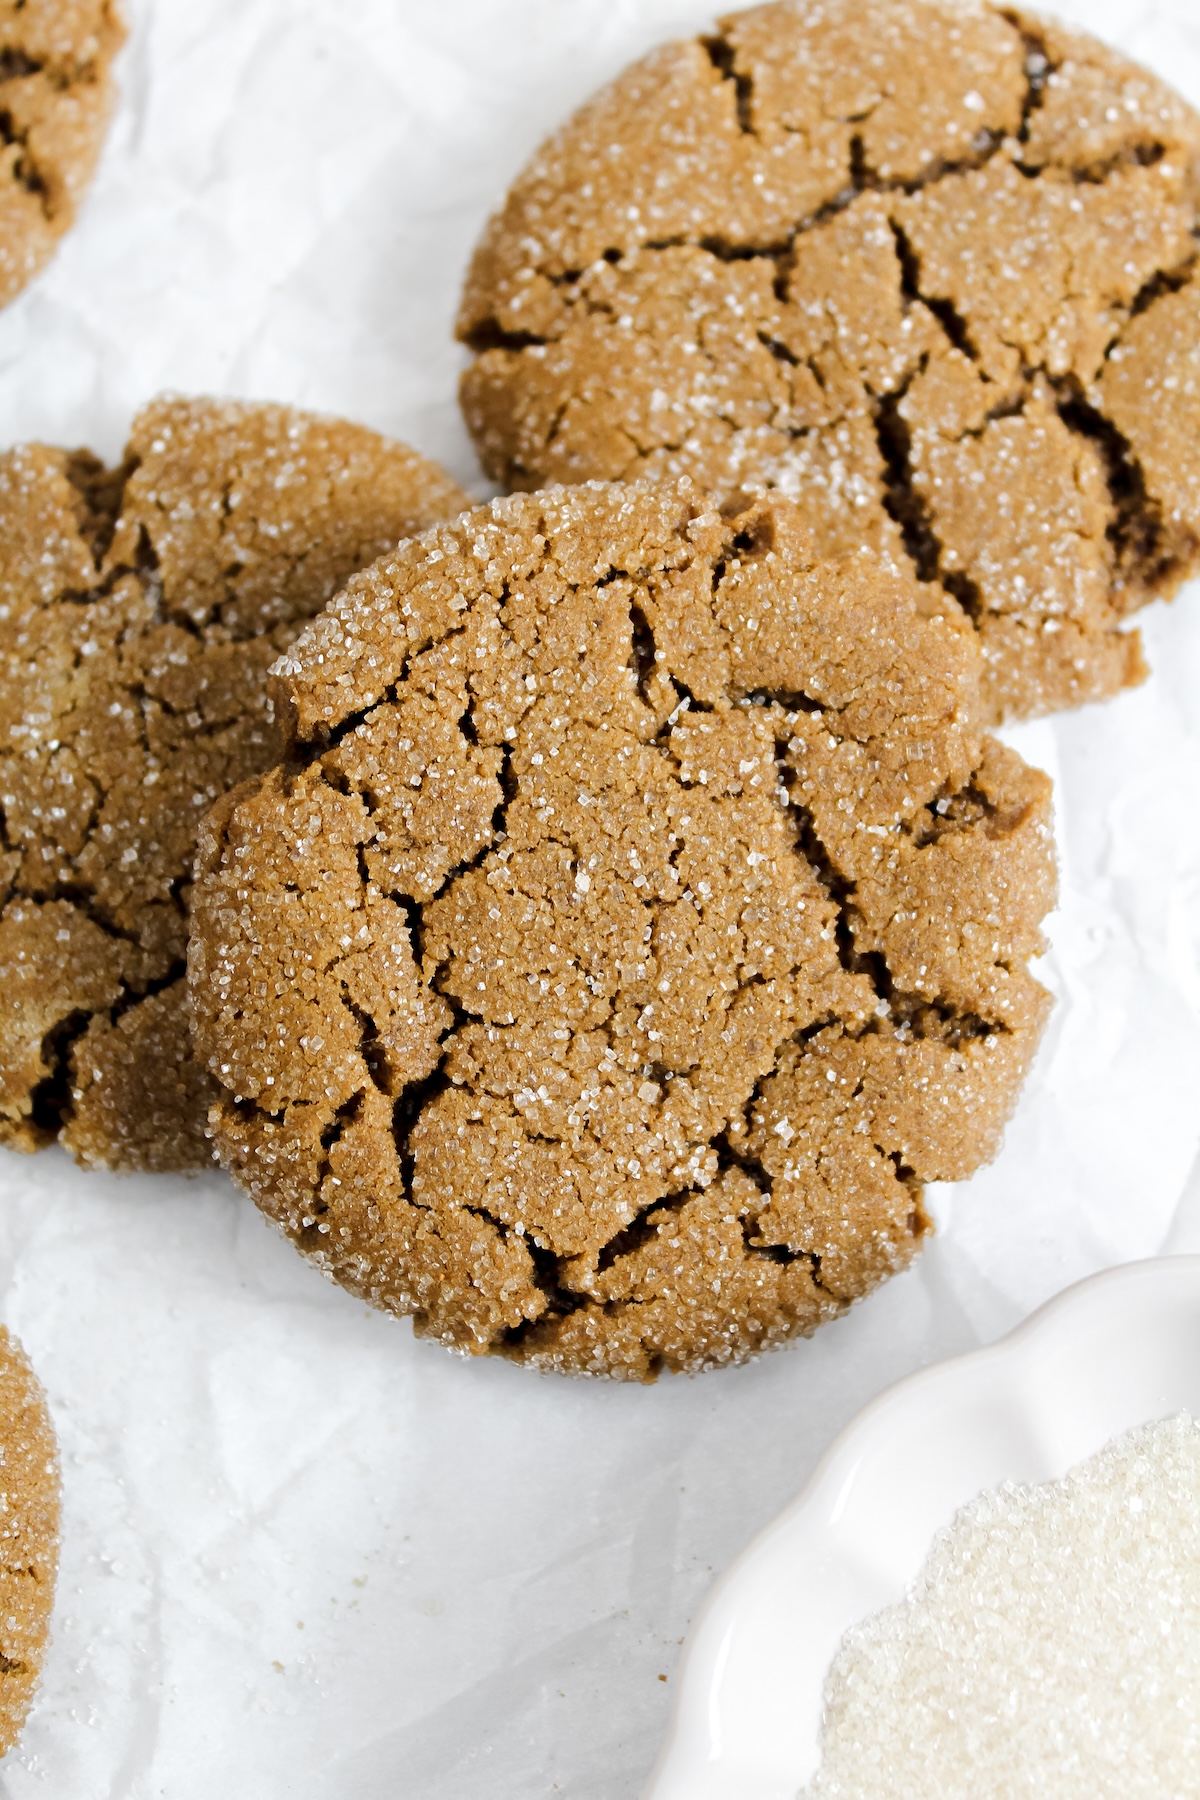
944	294
139	611
639	921
56	93
29	1519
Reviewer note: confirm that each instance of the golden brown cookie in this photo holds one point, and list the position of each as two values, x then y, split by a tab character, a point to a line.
639	921
140	608
56	94
29	1517
943	294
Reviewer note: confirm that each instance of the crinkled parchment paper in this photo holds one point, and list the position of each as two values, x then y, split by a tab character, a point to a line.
303	1555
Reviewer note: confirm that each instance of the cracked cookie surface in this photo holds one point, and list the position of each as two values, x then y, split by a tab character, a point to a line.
56	94
140	609
639	920
945	295
29	1520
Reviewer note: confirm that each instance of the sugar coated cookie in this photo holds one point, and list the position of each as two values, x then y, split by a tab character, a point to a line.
56	93
639	920
140	608
929	268
29	1516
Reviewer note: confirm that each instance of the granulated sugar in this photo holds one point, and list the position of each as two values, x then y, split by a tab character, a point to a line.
1050	1645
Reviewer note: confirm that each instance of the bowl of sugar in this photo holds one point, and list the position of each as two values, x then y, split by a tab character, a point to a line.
990	1586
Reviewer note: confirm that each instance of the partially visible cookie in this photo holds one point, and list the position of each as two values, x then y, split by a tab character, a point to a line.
944	294
639	921
29	1517
140	608
56	93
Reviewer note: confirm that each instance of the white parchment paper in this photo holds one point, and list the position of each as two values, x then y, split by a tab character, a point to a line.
304	1556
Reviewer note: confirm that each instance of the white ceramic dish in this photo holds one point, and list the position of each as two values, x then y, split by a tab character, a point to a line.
1118	1349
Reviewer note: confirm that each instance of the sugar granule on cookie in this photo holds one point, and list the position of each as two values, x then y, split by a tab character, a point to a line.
56	94
639	920
140	609
928	268
29	1520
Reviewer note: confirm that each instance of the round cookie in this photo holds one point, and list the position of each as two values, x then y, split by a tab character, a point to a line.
639	921
56	94
140	609
945	295
29	1519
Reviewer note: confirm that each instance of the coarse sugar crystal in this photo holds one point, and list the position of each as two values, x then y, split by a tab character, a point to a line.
1050	1644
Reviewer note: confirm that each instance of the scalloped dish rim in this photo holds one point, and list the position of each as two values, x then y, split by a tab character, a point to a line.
1110	1352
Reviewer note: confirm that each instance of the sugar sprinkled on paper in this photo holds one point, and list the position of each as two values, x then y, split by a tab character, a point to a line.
1050	1644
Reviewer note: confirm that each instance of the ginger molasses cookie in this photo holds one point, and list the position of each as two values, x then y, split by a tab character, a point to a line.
56	93
639	920
929	268
29	1516
140	608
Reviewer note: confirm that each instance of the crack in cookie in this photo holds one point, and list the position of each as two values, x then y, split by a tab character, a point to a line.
943	297
637	922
